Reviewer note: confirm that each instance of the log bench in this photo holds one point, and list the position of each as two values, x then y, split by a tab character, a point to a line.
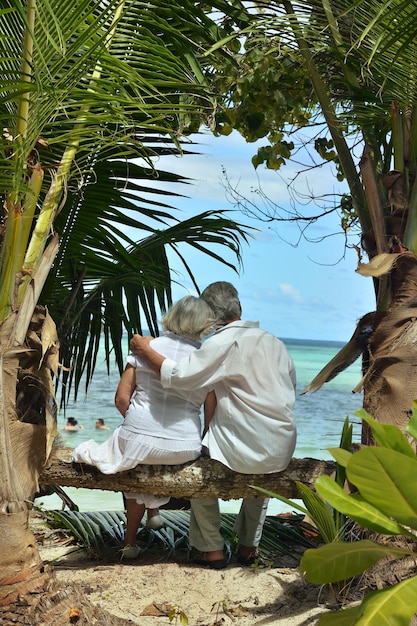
203	478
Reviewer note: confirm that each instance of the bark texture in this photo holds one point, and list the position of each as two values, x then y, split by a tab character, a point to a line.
44	600
202	478
390	381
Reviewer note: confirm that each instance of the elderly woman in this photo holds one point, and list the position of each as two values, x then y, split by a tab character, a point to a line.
161	426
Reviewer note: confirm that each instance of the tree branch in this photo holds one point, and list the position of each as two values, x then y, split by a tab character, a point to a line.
203	478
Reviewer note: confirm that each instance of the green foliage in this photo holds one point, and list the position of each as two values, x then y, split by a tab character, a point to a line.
347	211
89	110
95	530
269	72
325	148
385	502
357	557
332	79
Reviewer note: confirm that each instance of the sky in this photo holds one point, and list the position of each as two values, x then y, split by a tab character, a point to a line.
294	288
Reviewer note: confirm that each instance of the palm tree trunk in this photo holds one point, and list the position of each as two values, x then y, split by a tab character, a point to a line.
29	592
390	383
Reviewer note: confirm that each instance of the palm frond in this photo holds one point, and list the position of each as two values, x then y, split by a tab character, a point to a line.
112	275
99	531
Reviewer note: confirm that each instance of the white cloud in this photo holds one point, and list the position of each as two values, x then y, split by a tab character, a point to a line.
291	292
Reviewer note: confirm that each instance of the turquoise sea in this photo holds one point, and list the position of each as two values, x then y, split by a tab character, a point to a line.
320	416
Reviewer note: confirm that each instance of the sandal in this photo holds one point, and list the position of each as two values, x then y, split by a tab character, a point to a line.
217	564
130	552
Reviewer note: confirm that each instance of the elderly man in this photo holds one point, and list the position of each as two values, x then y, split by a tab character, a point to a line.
252	430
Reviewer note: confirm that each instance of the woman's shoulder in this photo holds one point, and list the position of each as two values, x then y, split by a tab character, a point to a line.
168	338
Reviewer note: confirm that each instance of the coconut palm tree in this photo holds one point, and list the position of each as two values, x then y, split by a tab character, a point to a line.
350	68
87	86
374	97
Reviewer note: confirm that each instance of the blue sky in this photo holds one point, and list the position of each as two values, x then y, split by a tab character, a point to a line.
304	291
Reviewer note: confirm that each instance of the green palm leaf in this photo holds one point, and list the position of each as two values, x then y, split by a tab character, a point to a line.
320	512
100	530
107	83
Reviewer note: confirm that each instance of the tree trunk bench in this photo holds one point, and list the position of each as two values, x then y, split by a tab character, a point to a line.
203	478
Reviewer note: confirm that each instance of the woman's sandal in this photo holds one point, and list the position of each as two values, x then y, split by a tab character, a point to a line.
130	552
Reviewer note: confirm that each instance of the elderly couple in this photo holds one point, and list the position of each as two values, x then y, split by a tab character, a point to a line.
245	378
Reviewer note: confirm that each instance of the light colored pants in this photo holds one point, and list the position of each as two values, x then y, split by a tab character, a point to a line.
205	533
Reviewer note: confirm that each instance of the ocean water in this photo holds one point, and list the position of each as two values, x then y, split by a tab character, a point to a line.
320	416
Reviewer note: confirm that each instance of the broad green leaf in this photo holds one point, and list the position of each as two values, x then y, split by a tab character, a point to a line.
344	617
394	606
340	456
387	435
339	560
386	479
355	507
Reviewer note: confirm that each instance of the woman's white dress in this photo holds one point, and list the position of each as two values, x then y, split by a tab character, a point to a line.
160	427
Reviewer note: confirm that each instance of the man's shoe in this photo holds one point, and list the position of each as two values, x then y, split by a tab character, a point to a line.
216	564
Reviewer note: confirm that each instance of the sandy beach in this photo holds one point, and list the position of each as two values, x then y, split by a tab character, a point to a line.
159	589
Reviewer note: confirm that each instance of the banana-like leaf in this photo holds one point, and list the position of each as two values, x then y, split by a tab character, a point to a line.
340	456
345	617
340	560
386	479
357	508
394	606
387	435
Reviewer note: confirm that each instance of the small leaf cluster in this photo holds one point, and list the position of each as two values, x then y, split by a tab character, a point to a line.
267	90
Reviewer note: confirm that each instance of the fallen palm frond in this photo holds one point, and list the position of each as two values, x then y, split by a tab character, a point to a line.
102	531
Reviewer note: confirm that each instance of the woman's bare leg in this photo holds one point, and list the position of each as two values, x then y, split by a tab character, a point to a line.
134	514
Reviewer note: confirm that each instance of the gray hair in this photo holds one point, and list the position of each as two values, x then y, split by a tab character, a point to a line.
190	317
224	300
